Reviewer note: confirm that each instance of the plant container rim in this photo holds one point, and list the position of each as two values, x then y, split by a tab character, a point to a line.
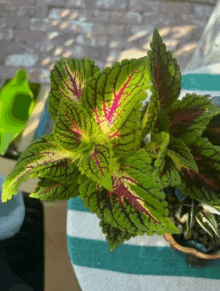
189	250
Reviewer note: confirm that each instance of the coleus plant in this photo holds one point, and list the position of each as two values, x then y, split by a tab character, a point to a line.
98	148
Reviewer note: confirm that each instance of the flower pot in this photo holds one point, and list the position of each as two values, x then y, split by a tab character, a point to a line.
197	255
194	257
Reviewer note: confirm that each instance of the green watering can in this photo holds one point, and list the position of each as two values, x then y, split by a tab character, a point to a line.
16	106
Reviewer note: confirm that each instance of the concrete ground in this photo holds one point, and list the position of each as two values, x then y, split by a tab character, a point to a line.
35	33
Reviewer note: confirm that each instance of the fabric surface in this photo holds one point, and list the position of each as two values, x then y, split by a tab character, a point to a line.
144	262
208	49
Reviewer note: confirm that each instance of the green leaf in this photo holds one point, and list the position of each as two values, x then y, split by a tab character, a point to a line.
208	222
97	164
163	121
178	158
190	116
170	175
113	96
165	72
114	235
73	127
212	131
204	185
36	159
190	187
50	190
68	78
129	138
192	214
136	204
63	171
158	144
151	114
181	155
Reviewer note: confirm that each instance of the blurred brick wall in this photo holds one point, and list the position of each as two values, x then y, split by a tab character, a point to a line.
35	33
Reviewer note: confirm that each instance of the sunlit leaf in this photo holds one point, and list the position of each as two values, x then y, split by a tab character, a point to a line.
181	155
97	164
136	204
204	185
190	116
165	72
114	236
51	190
40	155
113	96
73	126
68	77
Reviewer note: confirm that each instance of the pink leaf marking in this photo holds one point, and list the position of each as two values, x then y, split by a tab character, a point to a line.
76	90
77	131
121	191
97	116
75	128
109	113
116	134
94	155
117	98
61	92
50	188
208	182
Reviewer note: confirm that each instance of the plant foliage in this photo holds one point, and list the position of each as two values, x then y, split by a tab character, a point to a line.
98	149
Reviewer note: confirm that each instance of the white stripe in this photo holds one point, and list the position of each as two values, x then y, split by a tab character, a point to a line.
198	92
91	279
86	225
209	69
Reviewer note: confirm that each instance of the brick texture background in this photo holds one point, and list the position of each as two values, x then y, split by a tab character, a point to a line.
35	33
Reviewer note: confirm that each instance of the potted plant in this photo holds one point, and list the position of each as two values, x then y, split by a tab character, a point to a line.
199	223
18	98
119	152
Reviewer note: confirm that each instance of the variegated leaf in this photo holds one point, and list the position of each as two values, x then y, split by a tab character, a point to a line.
190	116
113	97
68	78
63	171
181	155
212	131
136	204
190	187
97	164
165	72
194	209
204	185
170	175
158	145
208	222
130	135
151	113
51	190
114	235
73	128
40	155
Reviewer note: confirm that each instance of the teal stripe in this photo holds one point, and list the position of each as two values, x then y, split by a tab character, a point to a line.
201	82
136	260
77	205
